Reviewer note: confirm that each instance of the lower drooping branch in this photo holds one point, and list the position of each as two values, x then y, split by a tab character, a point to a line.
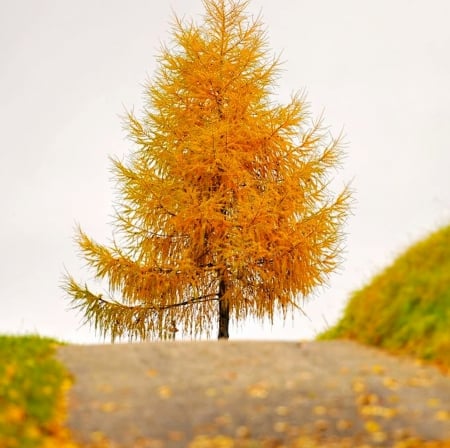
109	316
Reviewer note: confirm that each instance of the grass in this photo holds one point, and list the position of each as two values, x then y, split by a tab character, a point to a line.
406	308
32	389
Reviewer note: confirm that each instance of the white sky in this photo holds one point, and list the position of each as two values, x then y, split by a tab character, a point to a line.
380	69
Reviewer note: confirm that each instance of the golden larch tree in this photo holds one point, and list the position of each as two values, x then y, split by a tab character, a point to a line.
225	210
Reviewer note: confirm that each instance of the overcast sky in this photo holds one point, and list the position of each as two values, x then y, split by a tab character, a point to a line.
69	69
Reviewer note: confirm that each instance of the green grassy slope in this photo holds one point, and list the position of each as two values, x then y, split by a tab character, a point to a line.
32	394
406	308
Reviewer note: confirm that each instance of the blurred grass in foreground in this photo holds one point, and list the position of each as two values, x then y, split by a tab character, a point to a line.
406	308
32	390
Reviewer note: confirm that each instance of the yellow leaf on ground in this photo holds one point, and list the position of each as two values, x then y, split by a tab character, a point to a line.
280	427
321	425
433	402
258	390
211	392
282	410
390	383
242	432
212	442
98	438
379	437
372	426
342	425
14	414
358	386
176	436
10	371
165	392
109	406
379	411
378	369
320	410
442	416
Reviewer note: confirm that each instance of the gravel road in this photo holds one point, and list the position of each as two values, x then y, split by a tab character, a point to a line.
173	394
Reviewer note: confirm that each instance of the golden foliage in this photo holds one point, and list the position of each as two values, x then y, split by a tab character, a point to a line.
224	187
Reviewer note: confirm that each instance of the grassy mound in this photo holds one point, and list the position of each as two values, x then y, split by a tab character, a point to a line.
406	308
32	392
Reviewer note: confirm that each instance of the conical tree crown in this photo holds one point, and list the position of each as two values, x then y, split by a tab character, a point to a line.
225	196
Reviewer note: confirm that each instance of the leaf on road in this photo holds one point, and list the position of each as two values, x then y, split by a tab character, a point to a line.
109	407
378	369
390	383
152	373
280	427
343	425
164	392
282	411
372	426
320	410
258	390
211	392
442	416
379	411
358	386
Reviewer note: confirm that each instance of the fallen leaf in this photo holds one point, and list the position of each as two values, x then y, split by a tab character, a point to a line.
342	425
14	414
433	402
211	392
378	369
32	431
379	411
390	383
282	410
358	386
321	425
280	427
10	371
212	442
230	375
108	407
419	382
176	436
223	420
47	390
372	426
258	390
242	432
164	392
98	437
367	399
320	410
379	437
442	416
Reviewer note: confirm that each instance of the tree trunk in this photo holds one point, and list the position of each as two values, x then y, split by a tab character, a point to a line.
224	312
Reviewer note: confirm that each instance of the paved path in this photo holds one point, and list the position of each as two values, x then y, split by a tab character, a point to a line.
167	394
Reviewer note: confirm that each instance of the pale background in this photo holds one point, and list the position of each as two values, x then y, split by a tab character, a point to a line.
380	69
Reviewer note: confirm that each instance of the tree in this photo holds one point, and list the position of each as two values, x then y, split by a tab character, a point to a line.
225	210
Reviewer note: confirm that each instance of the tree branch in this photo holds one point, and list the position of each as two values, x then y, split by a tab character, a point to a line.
191	301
